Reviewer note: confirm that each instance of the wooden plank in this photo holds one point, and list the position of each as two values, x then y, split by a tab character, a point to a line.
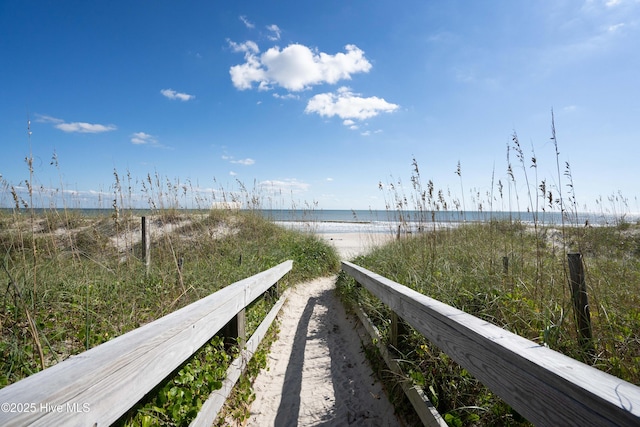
427	413
216	400
107	380
543	385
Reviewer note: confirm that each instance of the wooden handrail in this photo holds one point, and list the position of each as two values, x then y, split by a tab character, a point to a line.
98	386
546	387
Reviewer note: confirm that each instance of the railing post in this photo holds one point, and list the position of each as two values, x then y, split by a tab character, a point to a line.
234	332
274	291
580	303
398	328
146	244
393	335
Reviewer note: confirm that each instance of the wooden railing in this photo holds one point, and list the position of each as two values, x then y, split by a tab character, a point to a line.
546	387
97	387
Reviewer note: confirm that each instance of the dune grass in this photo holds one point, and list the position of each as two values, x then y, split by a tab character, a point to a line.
77	281
508	272
463	267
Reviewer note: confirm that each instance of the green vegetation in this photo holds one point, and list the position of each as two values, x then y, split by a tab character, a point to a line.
77	281
509	273
463	267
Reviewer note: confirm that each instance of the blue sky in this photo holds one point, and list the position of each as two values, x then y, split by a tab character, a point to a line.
316	103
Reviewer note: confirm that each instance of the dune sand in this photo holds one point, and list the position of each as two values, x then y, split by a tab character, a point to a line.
317	372
350	245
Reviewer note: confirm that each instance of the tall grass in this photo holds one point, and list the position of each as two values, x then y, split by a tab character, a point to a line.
528	296
76	280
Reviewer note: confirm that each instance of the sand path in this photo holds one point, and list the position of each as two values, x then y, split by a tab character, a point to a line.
317	372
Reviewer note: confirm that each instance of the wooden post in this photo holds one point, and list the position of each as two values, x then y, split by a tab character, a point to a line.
398	327
234	332
274	292
393	335
505	265
146	244
580	303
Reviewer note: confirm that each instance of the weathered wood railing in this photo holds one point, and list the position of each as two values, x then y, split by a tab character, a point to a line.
97	387
546	387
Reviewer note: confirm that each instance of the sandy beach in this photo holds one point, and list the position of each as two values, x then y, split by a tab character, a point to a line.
317	372
350	245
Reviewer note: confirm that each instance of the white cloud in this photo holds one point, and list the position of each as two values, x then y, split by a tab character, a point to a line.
289	185
141	138
80	127
172	94
243	162
244	75
348	106
350	124
275	32
42	118
247	47
246	22
287	96
296	67
615	27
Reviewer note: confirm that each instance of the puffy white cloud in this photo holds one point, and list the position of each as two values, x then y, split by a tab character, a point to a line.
82	127
296	67
140	138
244	75
348	106
247	47
172	94
350	124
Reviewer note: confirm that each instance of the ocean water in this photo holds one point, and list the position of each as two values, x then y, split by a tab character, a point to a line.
378	221
382	221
